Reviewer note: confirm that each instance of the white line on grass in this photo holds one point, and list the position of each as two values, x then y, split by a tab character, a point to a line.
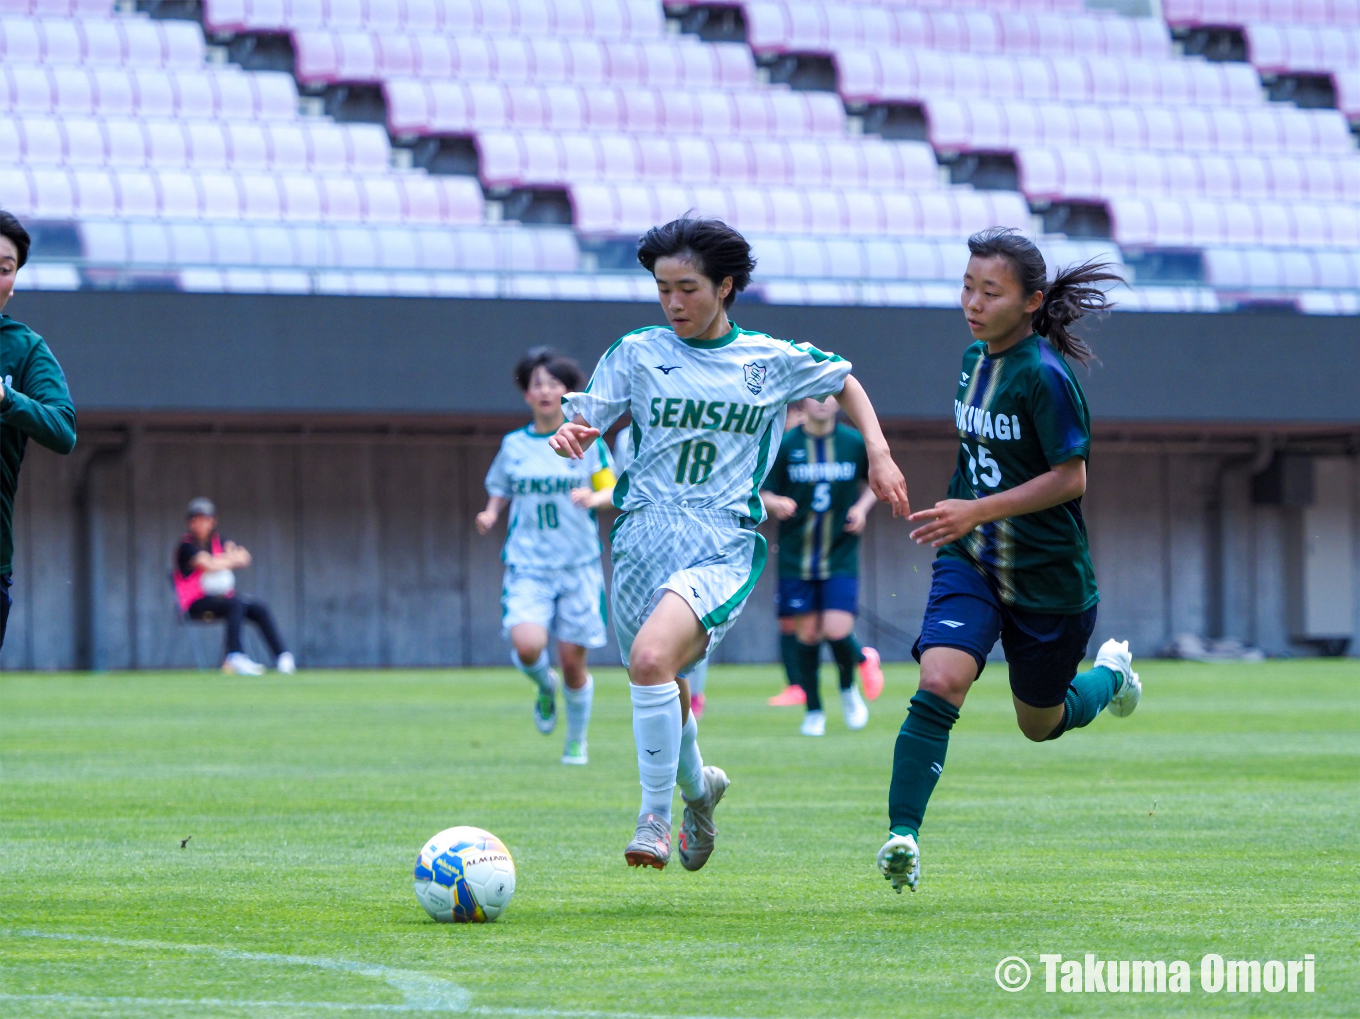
423	993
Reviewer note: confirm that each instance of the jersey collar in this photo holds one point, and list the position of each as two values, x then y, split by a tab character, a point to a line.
721	341
1031	338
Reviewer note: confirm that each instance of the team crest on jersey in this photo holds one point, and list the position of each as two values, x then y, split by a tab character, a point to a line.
755	377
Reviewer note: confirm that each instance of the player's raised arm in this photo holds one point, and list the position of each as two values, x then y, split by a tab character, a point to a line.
885	477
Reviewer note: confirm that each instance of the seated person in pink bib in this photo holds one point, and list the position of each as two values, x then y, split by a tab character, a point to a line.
205	586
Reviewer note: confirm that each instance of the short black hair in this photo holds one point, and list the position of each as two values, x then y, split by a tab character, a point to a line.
11	227
716	250
555	363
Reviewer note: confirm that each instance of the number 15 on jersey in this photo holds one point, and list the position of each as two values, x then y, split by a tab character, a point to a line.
982	467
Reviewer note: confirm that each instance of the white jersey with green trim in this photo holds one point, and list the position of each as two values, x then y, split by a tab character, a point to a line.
707	414
547	531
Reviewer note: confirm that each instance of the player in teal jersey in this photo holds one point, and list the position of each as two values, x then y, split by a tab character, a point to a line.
818	490
554	583
1013	561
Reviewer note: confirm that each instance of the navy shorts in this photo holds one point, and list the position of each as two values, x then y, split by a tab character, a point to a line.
800	597
1043	650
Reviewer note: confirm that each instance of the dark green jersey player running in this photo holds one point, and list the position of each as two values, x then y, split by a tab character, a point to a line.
818	490
1013	561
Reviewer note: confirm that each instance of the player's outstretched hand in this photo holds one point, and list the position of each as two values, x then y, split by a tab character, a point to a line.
886	479
581	497
486	520
572	439
946	521
855	519
781	507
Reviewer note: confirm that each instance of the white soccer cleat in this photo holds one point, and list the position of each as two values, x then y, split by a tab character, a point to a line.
1114	655
856	711
575	752
899	861
814	724
285	663
239	664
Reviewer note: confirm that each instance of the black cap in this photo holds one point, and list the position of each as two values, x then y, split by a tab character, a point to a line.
201	507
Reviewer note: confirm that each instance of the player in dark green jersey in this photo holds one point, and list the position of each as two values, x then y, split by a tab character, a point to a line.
1013	561
818	490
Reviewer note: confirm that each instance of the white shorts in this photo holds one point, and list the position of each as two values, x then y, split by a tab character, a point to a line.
569	604
705	556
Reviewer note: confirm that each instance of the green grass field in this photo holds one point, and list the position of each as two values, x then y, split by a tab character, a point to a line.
1224	816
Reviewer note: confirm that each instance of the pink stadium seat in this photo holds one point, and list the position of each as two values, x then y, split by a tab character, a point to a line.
302	201
20	41
246	145
233	244
220	195
130	143
188	244
42	140
207	144
95	194
287	146
273	245
148	244
53	194
340	199
259	196
382	199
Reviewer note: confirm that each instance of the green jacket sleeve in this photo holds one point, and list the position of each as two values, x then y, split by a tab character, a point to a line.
39	404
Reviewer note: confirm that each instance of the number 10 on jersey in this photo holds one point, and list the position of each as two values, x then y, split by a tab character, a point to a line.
696	461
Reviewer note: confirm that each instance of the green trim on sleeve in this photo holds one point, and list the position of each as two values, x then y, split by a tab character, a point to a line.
720	615
755	507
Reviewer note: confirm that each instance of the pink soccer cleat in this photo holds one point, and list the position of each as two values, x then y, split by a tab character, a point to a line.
791	696
871	674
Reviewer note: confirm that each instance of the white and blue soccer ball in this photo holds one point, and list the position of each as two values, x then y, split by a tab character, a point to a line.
464	875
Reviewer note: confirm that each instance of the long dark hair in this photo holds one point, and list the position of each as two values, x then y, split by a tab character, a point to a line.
1072	293
715	248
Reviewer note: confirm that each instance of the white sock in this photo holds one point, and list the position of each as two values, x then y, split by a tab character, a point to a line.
690	773
538	672
578	707
656	730
698	679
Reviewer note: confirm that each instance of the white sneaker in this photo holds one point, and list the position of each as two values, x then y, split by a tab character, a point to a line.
1114	655
856	711
285	663
239	664
814	724
899	861
575	752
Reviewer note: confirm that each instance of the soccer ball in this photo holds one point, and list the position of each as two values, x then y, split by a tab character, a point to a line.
464	875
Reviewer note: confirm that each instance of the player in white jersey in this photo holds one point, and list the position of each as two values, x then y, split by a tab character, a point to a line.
554	584
707	401
698	675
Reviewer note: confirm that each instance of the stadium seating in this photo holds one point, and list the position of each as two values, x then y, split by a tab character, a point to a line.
175	166
551	159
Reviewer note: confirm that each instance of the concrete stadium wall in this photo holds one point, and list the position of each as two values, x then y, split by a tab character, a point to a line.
365	549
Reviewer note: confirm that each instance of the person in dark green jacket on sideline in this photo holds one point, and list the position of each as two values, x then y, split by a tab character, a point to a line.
34	400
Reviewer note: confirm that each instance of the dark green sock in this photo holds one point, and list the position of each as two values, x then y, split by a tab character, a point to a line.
810	657
918	759
788	652
1087	697
847	653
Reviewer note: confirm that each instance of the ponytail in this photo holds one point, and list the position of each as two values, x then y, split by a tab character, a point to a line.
1072	294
